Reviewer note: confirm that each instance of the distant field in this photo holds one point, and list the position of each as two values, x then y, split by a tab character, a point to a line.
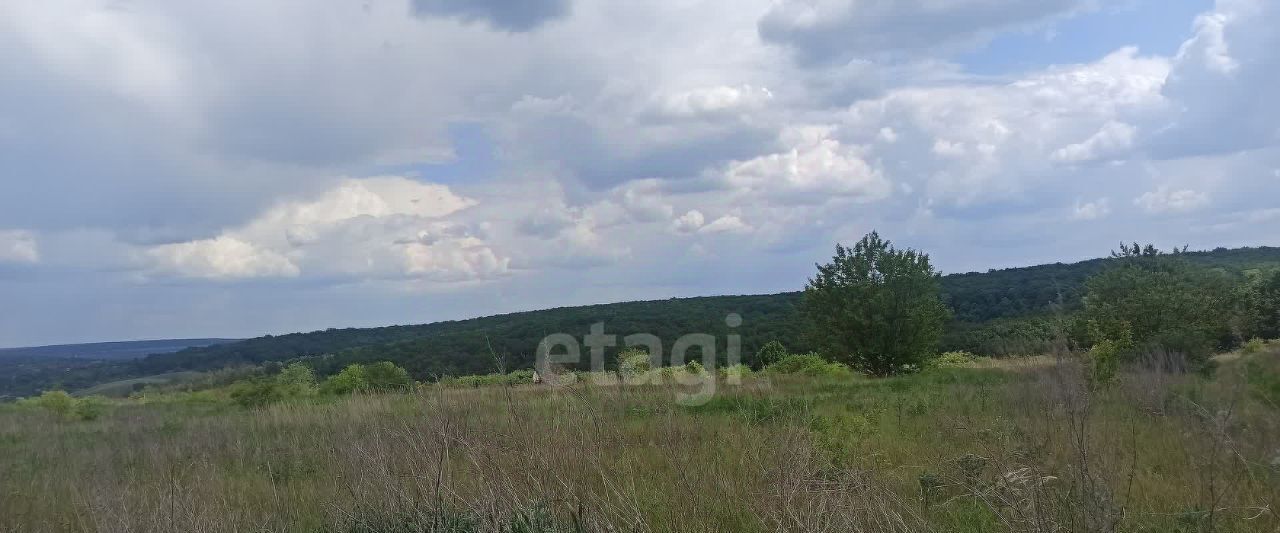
1021	445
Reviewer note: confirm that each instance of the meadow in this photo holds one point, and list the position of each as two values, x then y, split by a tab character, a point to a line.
1030	444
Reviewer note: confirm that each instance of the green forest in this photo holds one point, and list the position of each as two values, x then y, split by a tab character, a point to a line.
1015	311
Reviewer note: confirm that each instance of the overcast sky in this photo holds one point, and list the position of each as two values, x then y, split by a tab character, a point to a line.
177	168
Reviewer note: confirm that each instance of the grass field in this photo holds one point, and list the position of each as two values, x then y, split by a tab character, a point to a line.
1025	445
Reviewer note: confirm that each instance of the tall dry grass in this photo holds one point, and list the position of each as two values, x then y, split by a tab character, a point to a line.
1027	446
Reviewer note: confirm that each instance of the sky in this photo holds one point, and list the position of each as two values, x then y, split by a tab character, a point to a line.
174	168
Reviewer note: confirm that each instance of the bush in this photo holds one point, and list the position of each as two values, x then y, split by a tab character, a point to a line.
297	379
386	376
770	353
351	379
634	362
256	393
954	360
89	408
67	407
1254	346
57	402
810	364
738	371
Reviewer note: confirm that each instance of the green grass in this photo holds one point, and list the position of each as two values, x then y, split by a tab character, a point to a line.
1019	446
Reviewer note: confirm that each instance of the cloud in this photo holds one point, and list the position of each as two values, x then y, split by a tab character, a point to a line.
508	15
220	258
1094	210
689	222
815	167
1215	81
1111	141
18	246
821	30
716	100
974	143
726	224
1165	200
381	227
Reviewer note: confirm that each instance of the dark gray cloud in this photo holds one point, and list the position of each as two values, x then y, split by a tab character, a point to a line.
837	31
509	15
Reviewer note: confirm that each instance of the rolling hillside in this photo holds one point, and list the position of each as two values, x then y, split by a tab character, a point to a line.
997	312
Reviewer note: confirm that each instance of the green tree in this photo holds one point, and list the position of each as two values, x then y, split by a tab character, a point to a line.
1161	302
297	379
770	353
386	376
350	379
875	307
1259	301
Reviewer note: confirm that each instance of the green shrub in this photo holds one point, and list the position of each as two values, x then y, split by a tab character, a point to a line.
770	353
68	407
351	379
634	362
810	364
257	392
386	376
297	379
954	360
89	408
57	402
1255	345
738	371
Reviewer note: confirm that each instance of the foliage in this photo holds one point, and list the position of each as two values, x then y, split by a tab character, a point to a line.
810	364
387	376
634	362
1259	304
997	313
57	402
257	392
770	353
350	380
1255	345
738	371
1160	301
297	379
875	307
68	407
956	359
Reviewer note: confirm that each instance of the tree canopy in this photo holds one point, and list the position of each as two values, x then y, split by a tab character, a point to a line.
875	307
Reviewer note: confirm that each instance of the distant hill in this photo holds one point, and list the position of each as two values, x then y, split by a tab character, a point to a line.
111	350
995	312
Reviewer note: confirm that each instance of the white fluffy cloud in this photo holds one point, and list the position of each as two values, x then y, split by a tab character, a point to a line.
1112	140
18	246
220	258
815	167
1094	210
1216	79
971	143
383	227
1166	200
